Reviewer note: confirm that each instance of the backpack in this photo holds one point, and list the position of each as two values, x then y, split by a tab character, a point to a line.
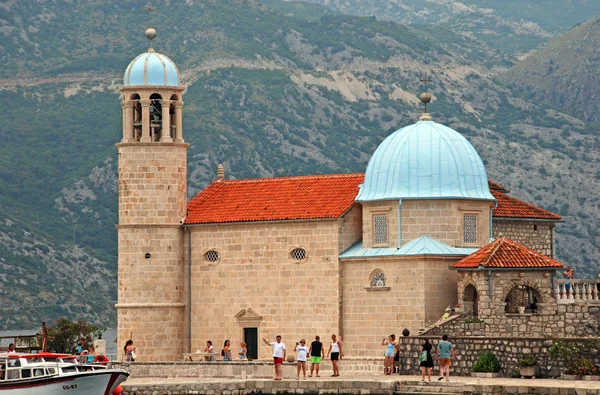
222	352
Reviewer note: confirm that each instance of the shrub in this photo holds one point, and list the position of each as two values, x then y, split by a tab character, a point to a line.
529	361
582	366
487	363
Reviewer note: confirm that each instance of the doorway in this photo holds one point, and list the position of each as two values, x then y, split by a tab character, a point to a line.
251	339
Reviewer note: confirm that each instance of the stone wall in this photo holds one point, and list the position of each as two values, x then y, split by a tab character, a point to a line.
443	220
508	350
536	235
256	283
371	313
497	310
152	201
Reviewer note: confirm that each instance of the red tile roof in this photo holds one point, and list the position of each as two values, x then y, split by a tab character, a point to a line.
494	186
309	197
511	207
274	199
505	253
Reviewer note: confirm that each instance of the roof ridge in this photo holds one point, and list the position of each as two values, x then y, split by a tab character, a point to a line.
303	177
495	249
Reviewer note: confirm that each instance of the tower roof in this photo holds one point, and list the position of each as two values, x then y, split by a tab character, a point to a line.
151	68
504	253
425	160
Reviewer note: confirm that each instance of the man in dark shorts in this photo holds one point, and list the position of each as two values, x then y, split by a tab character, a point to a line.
316	352
278	356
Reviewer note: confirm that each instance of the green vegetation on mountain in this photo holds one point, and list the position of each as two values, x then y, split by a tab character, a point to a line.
293	89
564	72
513	26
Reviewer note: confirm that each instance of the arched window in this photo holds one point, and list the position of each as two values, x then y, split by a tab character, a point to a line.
378	279
155	116
522	299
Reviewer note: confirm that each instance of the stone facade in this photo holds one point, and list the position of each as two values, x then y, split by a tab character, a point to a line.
442	220
499	311
371	313
536	235
294	298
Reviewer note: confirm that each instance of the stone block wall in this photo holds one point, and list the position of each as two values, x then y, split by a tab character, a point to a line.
508	350
256	283
443	220
550	318
536	235
152	202
371	313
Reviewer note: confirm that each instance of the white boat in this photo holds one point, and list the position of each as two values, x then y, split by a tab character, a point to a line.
53	374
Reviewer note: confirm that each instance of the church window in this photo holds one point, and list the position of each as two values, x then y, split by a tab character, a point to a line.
298	254
380	229
470	229
211	256
378	280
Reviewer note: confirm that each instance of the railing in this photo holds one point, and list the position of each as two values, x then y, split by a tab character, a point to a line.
577	291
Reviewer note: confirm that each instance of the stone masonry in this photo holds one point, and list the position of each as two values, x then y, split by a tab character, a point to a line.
536	235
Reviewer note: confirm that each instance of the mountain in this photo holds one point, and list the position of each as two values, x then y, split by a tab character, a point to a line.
287	90
513	26
564	72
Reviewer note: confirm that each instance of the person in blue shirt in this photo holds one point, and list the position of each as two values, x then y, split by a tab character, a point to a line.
444	355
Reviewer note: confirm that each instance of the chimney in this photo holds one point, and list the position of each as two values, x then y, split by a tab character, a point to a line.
220	172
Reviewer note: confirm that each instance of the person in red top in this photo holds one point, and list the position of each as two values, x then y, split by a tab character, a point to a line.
101	359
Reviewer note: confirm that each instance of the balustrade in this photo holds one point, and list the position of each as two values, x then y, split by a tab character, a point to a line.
577	291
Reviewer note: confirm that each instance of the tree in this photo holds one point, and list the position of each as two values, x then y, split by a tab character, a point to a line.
63	336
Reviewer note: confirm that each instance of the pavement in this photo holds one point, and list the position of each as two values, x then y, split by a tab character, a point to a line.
408	380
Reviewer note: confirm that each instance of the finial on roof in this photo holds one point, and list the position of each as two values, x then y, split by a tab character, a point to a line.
220	172
150	32
425	98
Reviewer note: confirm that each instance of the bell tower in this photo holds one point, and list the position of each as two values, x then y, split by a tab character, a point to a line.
152	204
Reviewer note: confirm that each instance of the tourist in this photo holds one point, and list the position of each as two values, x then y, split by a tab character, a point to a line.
317	351
226	351
210	349
83	357
130	355
243	351
568	274
101	359
91	353
598	286
301	358
278	355
390	352
444	355
12	349
335	349
426	360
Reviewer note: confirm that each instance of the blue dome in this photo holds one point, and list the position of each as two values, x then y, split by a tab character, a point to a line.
151	68
425	161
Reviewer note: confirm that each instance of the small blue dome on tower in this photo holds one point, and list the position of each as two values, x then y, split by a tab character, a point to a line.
426	160
151	68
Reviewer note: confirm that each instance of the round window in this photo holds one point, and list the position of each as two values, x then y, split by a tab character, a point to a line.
298	254
211	256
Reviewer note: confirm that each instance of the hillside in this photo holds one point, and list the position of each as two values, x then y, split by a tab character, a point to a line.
268	93
564	72
513	26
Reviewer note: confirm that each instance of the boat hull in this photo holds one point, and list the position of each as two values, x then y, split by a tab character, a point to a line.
100	382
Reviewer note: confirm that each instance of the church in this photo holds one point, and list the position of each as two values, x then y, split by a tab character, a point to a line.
356	255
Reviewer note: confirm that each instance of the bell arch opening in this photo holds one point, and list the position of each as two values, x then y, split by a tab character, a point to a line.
471	300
